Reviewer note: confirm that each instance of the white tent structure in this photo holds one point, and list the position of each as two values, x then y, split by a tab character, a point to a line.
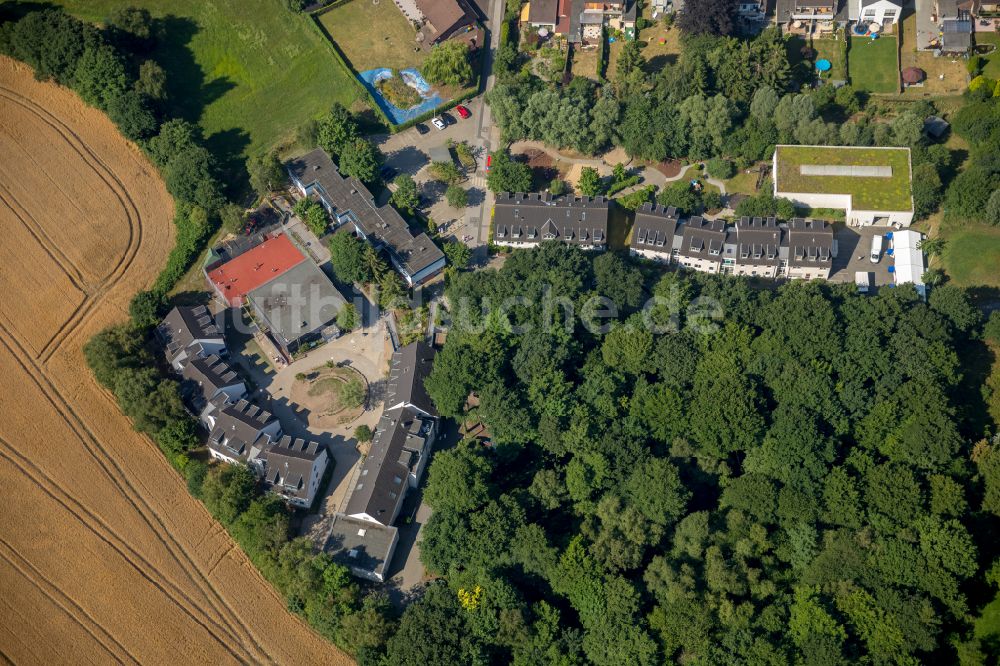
908	258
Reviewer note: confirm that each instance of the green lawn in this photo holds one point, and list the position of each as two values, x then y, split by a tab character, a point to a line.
743	183
992	68
971	256
248	72
830	49
373	36
872	64
869	193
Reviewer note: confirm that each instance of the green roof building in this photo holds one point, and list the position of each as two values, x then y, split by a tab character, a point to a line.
872	185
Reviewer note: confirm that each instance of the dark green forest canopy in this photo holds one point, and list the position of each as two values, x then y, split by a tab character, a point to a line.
789	484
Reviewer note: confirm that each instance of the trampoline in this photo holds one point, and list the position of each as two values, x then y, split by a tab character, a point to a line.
823	65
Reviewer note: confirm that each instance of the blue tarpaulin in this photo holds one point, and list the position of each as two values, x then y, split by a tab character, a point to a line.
892	269
429	98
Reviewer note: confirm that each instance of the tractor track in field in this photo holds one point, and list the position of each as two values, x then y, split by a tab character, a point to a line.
125	201
97	526
72	609
42	238
118	477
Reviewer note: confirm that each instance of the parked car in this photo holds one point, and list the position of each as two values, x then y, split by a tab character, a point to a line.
439	123
876	249
448	119
863	281
422	129
462	111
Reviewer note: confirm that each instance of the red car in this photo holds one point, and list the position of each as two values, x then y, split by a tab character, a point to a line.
462	111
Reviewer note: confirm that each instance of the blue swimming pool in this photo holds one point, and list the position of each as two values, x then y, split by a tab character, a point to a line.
431	99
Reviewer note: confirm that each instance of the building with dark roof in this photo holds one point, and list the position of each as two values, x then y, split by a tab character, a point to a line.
702	244
187	332
810	249
240	432
298	307
654	234
206	379
956	35
349	202
366	548
543	14
445	18
362	537
525	220
396	460
293	468
788	12
408	369
753	247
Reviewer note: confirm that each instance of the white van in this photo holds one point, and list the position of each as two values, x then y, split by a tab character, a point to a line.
876	249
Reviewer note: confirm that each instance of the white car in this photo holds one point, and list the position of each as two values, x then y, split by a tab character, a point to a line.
437	122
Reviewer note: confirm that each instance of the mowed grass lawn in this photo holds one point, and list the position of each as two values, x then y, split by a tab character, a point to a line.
830	49
373	35
971	256
249	72
992	68
872	64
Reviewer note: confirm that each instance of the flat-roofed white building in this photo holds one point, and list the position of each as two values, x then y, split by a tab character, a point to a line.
908	259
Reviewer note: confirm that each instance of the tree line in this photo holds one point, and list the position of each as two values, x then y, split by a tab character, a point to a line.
796	483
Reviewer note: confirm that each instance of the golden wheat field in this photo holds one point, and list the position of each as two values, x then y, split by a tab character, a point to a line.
104	557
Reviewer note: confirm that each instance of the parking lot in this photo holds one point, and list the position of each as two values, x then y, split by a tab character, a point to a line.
853	249
410	152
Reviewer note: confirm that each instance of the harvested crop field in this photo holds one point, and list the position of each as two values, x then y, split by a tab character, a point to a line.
104	557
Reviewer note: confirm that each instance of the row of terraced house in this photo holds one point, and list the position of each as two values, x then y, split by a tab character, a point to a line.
762	247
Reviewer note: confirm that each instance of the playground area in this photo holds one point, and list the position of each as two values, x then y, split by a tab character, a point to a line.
330	395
